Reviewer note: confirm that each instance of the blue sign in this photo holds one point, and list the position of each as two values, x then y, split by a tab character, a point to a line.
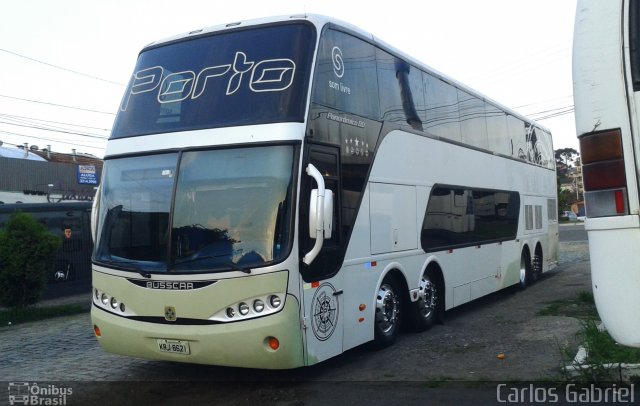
87	175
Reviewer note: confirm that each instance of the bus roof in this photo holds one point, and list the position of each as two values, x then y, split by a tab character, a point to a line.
320	21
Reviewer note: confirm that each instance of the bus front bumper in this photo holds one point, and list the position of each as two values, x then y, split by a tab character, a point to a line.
238	344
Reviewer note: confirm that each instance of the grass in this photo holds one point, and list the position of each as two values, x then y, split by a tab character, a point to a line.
14	316
581	307
601	348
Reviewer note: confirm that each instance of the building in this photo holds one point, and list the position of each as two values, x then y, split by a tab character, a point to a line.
57	189
32	175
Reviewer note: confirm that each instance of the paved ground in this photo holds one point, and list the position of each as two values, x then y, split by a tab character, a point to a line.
465	349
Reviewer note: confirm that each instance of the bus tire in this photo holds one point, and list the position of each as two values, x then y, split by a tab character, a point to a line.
537	264
525	269
388	313
424	312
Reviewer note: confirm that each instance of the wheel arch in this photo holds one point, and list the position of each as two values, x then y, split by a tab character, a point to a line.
432	264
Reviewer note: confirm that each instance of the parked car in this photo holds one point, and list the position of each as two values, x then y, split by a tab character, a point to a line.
569	215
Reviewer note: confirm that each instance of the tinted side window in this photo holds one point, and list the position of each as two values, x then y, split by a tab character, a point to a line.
346	75
472	120
634	42
401	91
458	217
442	114
497	131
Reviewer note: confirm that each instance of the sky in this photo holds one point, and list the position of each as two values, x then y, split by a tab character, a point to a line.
64	64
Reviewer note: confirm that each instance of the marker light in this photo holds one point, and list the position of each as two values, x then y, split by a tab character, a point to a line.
273	342
97	331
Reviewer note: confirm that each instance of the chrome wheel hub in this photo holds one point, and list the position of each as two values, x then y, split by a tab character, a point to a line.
387	308
428	297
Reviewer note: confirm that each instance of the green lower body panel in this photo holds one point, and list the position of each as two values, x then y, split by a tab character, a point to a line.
238	344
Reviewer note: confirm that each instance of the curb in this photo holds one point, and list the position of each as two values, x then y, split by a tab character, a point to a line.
618	371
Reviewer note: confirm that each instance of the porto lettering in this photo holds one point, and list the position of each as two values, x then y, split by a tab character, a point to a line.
269	75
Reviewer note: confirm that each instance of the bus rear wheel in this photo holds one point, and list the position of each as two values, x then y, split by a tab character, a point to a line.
388	313
424	311
537	264
525	270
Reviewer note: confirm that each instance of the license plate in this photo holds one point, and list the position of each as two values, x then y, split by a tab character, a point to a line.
174	346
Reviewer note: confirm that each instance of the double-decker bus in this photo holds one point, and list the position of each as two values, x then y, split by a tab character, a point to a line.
606	92
276	192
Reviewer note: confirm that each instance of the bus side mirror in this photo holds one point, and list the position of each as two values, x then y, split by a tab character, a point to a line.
327	214
321	203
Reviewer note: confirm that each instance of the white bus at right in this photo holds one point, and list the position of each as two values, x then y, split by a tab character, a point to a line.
606	91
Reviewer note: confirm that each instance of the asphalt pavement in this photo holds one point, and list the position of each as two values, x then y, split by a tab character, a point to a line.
458	360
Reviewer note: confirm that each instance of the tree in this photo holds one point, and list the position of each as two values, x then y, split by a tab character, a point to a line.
26	247
566	156
564	199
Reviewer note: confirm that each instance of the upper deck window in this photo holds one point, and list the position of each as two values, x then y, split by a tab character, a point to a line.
253	76
346	77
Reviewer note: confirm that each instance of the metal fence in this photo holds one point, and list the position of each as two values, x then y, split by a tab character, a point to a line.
69	269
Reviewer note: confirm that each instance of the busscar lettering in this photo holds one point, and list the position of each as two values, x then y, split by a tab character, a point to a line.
269	75
169	285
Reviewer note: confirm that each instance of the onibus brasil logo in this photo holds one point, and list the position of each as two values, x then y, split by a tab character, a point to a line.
25	393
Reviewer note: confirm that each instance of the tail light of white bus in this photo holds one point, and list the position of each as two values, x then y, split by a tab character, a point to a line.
603	173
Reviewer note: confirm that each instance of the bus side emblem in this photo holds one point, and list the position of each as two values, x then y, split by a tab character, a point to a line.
170	313
325	311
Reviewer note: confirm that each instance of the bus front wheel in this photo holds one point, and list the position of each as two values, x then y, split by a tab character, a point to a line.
388	313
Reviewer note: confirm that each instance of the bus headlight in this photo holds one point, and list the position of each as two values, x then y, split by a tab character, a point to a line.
248	308
243	308
108	302
274	301
258	305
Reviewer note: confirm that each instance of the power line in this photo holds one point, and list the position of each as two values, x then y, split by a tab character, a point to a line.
61	68
32	119
543	112
43	125
544	101
560	113
68	142
57	105
57	130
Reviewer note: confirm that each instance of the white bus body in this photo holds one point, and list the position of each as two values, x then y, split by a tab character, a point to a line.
606	96
331	190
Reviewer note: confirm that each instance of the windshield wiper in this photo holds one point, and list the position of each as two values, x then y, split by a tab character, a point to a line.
219	258
131	267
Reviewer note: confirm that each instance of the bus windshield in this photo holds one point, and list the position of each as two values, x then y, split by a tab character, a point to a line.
244	77
231	210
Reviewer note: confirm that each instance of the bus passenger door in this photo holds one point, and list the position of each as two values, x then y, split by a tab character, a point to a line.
322	283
